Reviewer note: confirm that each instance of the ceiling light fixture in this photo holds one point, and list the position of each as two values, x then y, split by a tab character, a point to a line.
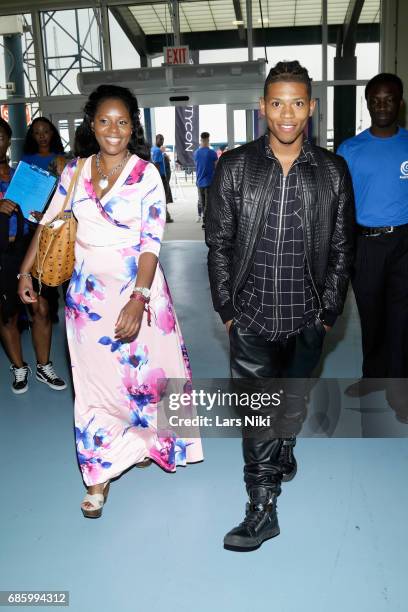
237	22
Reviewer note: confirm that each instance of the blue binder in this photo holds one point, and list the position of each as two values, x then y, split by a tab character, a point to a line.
30	188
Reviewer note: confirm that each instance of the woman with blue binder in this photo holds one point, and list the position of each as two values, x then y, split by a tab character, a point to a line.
43	146
43	149
14	239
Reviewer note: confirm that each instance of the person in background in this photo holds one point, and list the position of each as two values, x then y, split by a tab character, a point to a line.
157	156
43	148
14	239
167	165
43	145
378	163
205	159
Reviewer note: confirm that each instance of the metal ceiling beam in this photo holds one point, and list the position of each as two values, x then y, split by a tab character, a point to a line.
274	37
12	7
239	17
350	26
131	28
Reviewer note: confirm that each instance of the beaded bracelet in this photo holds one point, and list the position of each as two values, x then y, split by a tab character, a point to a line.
139	297
136	295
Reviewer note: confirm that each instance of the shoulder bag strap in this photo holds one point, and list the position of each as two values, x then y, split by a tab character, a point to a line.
72	185
80	165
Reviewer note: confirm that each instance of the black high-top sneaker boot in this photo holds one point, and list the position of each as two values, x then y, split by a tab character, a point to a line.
287	459
260	522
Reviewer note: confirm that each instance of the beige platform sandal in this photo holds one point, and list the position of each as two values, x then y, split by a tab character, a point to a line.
97	501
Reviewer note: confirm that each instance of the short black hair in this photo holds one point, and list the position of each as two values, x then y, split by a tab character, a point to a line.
204	135
31	145
384	77
6	127
288	71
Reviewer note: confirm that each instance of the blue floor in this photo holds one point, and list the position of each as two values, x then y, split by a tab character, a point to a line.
344	537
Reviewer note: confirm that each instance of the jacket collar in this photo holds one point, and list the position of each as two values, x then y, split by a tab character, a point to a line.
306	154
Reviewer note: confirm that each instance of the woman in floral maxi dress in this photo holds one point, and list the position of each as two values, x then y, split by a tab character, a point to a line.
121	355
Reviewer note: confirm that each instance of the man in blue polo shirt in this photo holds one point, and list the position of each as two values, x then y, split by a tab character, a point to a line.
205	160
378	163
157	156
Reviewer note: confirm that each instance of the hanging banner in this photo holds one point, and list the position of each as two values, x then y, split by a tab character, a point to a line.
187	119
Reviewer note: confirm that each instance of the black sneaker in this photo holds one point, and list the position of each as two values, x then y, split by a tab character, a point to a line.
47	375
260	522
287	460
20	382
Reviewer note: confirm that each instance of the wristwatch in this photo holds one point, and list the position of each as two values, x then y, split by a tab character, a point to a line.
143	290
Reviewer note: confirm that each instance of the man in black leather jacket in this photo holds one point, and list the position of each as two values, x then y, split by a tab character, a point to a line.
280	236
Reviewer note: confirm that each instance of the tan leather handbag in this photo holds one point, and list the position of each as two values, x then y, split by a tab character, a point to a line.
55	258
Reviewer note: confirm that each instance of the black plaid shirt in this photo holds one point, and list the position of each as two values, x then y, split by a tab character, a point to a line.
277	299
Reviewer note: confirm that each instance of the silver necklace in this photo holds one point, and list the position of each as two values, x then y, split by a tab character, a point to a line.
104	180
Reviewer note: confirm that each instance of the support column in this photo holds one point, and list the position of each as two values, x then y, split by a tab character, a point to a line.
249	30
14	70
39	55
104	25
175	19
148	120
402	53
322	108
394	44
249	115
230	126
249	125
345	68
344	116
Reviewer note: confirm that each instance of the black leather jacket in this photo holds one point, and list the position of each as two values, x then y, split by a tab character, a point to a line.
238	209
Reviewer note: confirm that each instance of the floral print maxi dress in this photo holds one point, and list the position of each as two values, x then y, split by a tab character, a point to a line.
117	384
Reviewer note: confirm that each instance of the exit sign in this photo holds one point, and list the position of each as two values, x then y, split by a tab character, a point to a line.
176	55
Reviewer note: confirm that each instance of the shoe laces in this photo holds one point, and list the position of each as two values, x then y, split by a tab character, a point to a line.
48	370
20	373
286	453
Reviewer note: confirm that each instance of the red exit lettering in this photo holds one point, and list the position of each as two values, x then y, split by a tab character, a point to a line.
176	55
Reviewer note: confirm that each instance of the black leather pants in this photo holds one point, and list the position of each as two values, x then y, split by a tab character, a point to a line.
256	367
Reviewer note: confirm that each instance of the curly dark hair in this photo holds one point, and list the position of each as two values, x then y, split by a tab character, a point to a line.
289	71
6	127
30	144
85	141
